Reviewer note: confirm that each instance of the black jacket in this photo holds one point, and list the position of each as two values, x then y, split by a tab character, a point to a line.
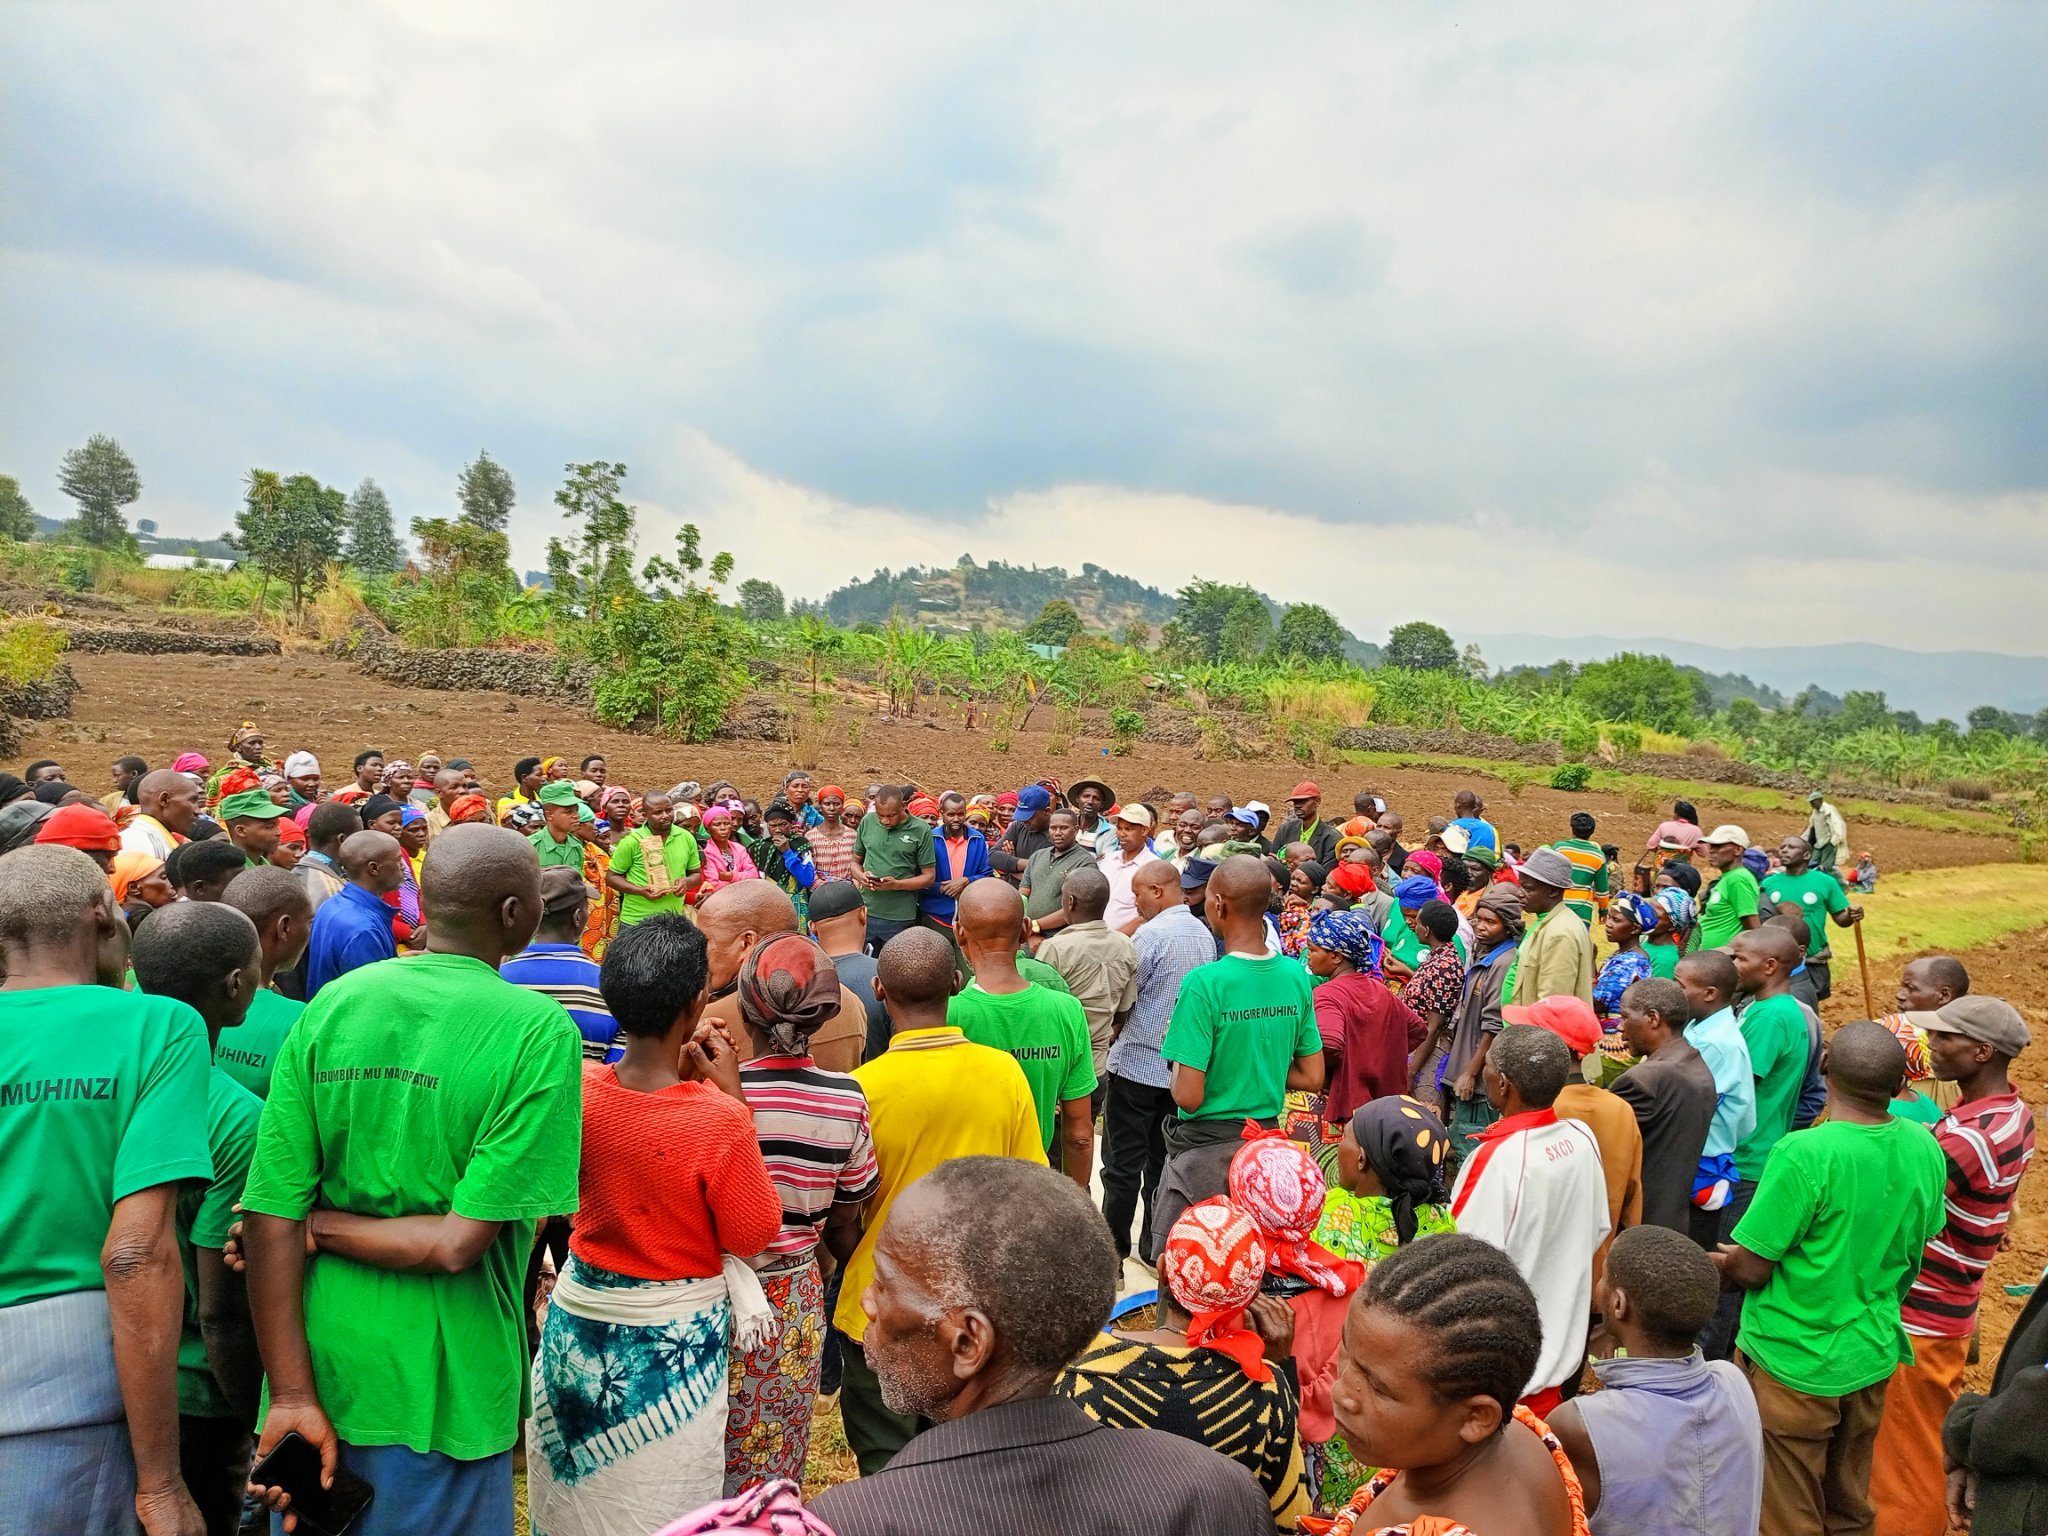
1323	839
2003	1438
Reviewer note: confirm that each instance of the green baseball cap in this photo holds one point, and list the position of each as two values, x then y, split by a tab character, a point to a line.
250	803
558	792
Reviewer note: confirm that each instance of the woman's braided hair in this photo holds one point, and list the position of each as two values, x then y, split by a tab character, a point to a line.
1473	1302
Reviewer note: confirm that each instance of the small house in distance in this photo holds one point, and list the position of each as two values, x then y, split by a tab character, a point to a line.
189	563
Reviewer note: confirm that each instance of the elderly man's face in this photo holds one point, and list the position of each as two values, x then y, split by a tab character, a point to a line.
906	1343
1088	798
180	807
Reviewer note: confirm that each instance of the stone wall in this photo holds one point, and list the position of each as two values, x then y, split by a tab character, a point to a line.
168	642
529	674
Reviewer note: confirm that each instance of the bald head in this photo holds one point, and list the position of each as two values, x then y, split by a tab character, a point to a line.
370	859
1866	1061
480	893
756	905
1159	875
1242	880
916	970
991	912
1085	895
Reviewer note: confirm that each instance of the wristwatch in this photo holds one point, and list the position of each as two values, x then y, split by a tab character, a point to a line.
1036	931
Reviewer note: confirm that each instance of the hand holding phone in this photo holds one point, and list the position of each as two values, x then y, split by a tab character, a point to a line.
301	1477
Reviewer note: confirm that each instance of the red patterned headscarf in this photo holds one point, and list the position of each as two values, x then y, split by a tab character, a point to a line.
1212	1263
788	988
1280	1188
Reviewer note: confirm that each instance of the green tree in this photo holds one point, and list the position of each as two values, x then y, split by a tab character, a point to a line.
17	517
1650	690
291	528
1745	717
603	566
466	581
1137	635
1421	647
101	478
761	601
1311	632
486	493
1057	624
372	546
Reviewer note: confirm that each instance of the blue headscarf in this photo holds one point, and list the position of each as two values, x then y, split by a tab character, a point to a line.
1641	909
1416	890
1347	934
1683	909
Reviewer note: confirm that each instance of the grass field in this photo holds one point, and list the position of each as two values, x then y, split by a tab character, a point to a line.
1947	910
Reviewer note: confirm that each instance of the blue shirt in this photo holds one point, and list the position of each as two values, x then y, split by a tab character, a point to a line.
351	929
936	904
1480	833
564	973
1718	1039
1169	946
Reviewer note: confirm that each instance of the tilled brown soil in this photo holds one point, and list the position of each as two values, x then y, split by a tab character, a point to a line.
159	706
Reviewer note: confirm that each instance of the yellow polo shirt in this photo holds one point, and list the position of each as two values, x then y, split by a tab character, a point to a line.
933	1096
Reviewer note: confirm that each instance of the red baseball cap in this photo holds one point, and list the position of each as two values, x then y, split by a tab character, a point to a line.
1307	789
80	826
1568	1017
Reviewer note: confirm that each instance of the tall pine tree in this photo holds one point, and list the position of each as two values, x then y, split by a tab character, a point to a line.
372	545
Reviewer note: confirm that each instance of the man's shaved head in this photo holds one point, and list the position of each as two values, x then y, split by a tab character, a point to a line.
991	912
265	895
1086	894
760	905
916	967
367	848
1242	879
1866	1059
1711	968
475	869
1157	873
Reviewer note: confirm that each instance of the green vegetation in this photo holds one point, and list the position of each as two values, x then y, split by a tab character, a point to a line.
30	650
1944	910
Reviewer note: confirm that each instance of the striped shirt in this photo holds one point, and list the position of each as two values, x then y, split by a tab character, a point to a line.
813	1129
832	851
564	973
1588	895
1988	1143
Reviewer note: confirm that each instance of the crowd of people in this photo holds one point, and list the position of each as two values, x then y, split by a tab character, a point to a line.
1120	1164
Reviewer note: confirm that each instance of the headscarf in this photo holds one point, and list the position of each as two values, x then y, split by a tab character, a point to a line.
469	808
525	818
1317	873
924	807
379	804
289	831
1281	1187
788	988
1683	910
1756	861
237	781
1347	934
299	764
12	788
1642	910
1422	861
410	815
51	792
1417	890
131	867
769	1509
1212	1264
81	827
547	767
189	762
1404	1144
1353	878
1505	903
397	765
1007	800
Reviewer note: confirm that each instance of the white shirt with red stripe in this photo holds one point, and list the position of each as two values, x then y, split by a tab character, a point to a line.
1534	1188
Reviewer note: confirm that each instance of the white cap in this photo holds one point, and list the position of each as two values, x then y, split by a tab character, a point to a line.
299	764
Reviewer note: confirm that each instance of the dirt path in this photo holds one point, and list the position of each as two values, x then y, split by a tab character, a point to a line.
160	706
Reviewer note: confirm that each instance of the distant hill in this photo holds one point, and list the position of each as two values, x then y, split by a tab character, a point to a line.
1003	596
1937	684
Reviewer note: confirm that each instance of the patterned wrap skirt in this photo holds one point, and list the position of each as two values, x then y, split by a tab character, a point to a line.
774	1388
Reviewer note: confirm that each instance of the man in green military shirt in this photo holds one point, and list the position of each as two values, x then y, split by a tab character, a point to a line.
556	842
421	1118
1816	896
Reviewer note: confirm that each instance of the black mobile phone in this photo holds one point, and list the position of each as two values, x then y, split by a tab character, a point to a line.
294	1465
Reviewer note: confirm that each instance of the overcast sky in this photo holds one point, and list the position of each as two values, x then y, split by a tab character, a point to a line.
1720	322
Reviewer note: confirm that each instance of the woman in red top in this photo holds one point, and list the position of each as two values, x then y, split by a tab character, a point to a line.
630	1384
1367	1031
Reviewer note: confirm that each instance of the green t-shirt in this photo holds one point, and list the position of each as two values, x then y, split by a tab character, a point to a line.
1818	893
417	1088
1664	960
1243	1021
205	1213
893	853
1774	1029
102	1094
1039	974
567	854
682	856
1918	1108
249	1050
1045	1031
1733	897
1845	1210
